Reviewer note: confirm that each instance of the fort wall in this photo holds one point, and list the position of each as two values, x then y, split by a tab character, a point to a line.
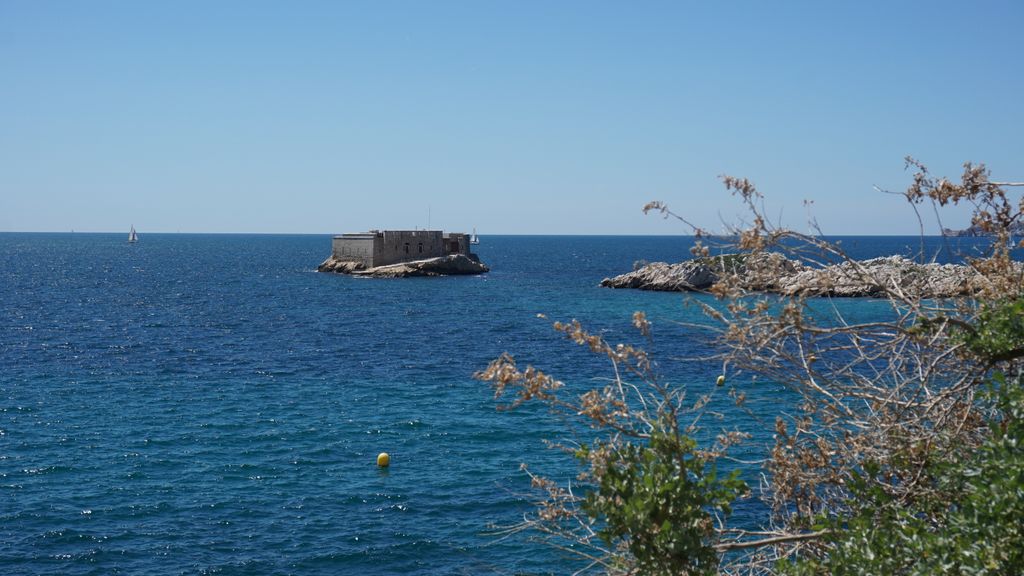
393	246
383	247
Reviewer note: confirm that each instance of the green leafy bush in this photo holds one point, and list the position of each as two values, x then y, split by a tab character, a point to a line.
656	497
970	522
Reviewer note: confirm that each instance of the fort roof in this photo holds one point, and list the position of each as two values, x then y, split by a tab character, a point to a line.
378	233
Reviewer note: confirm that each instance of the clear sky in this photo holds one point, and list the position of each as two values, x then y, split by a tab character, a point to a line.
518	117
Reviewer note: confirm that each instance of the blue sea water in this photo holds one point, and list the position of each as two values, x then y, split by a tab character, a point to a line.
209	404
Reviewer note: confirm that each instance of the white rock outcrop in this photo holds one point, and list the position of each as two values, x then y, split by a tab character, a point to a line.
775	273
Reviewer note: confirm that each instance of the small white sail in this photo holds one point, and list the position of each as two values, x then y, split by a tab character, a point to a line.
473	239
132	236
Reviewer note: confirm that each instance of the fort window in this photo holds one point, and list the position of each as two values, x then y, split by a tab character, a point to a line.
406	247
421	247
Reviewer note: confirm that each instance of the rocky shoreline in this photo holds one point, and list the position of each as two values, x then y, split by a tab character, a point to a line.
776	274
455	264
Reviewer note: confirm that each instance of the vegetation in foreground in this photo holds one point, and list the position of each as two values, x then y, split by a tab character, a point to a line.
905	455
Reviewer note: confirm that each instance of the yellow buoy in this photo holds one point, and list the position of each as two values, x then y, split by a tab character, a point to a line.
383	460
721	380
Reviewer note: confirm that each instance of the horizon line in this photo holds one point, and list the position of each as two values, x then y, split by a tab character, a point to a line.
175	233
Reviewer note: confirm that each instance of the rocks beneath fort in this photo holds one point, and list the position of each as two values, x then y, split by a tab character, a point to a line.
455	264
777	274
339	266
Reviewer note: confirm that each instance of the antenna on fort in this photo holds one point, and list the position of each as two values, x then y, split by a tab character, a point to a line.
428	216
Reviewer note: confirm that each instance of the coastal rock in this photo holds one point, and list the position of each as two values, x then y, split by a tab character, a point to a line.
692	275
760	272
455	264
777	274
867	278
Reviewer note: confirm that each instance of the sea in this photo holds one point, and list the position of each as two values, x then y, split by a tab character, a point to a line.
210	404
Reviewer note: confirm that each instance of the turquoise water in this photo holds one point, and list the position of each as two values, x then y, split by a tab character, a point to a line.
209	404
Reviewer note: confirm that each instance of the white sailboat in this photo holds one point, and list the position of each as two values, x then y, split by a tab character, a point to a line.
474	239
132	236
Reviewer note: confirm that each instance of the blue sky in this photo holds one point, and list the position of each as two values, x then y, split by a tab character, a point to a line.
512	117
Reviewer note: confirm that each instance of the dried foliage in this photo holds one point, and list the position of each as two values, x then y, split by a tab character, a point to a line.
647	498
887	406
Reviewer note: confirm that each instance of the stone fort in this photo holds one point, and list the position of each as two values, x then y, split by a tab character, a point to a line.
383	247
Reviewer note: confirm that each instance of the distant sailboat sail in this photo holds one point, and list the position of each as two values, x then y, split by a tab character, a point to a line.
132	236
474	239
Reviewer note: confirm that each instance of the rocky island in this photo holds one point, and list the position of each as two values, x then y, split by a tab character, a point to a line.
402	254
770	272
1016	230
